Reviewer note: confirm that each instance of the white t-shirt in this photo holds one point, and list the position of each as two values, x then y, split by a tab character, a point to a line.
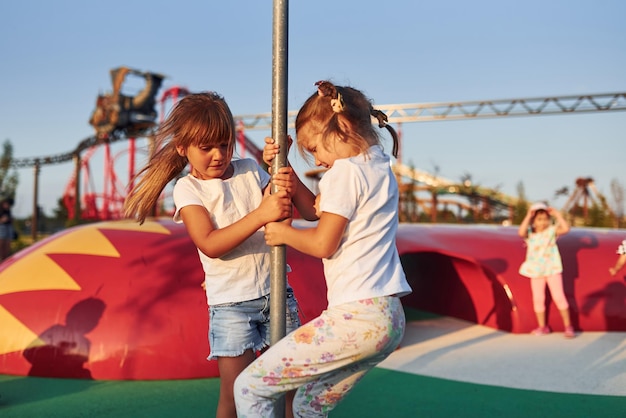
363	190
244	273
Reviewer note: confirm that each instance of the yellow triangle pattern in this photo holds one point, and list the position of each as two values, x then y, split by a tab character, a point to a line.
41	273
130	225
14	336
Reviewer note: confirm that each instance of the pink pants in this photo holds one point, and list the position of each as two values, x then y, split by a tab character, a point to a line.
555	284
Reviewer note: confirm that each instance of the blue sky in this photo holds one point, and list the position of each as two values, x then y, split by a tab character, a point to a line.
56	58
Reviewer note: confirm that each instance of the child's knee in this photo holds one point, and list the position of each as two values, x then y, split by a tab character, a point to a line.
562	305
240	384
246	384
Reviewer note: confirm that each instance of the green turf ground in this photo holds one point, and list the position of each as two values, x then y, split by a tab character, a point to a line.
381	393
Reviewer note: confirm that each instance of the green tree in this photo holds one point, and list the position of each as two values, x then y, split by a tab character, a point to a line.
617	190
407	207
60	212
470	191
597	216
8	173
521	207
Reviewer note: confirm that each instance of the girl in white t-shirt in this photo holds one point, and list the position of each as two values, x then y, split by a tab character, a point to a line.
355	237
223	204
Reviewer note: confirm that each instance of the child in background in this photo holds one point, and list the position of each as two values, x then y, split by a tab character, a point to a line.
543	263
223	204
6	228
621	260
356	239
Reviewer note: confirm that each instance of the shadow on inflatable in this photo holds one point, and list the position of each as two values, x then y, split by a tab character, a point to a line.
116	301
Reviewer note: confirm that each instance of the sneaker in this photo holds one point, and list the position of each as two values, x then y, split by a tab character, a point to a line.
541	331
569	332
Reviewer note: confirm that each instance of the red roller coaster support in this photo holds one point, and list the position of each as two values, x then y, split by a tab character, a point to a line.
173	93
241	138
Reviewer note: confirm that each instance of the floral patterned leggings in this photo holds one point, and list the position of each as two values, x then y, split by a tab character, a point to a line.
323	359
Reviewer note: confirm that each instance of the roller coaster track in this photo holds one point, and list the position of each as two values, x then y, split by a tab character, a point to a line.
425	112
442	186
68	156
397	113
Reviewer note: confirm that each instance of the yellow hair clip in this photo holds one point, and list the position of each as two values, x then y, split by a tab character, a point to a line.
337	104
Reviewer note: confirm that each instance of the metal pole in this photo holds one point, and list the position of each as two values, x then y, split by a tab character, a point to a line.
279	133
35	217
278	271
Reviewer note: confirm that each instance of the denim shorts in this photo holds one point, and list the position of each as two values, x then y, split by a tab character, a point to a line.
237	327
6	231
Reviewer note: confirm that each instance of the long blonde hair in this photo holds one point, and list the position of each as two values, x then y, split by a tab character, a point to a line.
198	119
345	113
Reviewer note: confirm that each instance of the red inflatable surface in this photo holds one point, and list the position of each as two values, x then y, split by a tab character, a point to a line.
471	272
115	300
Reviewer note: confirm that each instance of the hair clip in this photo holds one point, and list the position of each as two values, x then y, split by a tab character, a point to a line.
380	116
327	89
337	104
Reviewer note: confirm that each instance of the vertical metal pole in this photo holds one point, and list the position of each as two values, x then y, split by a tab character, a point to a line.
278	272
35	219
279	133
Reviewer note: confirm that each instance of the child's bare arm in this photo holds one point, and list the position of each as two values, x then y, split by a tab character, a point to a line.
287	179
562	226
302	197
321	241
214	242
621	261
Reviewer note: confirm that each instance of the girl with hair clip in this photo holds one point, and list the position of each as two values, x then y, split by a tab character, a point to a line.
224	204
543	263
356	239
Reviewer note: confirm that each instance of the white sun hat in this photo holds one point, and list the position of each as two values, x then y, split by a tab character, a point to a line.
538	206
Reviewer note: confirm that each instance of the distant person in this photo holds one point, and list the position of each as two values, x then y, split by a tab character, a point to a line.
621	260
224	204
356	240
543	263
6	228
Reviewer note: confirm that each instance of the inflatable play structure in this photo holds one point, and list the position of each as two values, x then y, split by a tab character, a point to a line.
116	300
